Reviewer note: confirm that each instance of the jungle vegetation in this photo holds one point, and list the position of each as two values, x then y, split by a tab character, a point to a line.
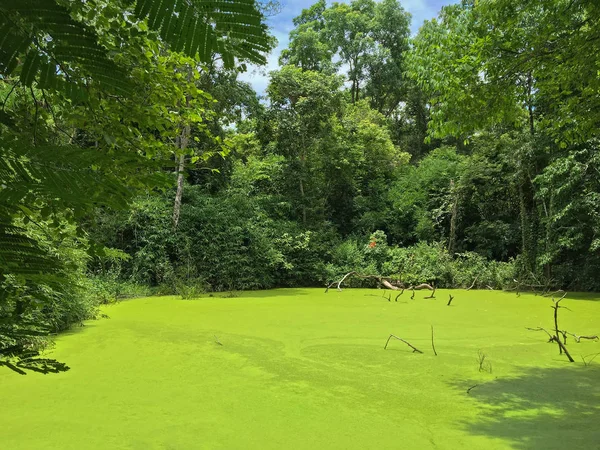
134	160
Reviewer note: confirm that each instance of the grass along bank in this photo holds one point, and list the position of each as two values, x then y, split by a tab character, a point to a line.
297	368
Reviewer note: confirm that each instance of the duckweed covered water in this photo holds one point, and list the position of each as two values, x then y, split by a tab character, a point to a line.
300	369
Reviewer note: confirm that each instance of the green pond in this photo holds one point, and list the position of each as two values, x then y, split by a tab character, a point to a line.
304	369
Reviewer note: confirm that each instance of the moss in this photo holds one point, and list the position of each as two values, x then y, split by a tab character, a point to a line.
301	369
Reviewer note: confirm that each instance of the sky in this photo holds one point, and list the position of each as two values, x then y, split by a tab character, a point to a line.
281	25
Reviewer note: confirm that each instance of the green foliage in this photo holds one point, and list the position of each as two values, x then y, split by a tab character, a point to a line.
420	263
569	189
92	104
35	302
60	50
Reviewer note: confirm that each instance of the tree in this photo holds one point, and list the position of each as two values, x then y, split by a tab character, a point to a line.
92	115
368	37
303	102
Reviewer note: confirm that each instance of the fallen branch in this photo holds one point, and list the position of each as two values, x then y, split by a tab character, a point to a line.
556	307
432	294
412	297
432	344
563	348
396	299
385	281
217	339
550	336
450	301
472	387
422	286
339	282
415	349
473	284
579	338
388	285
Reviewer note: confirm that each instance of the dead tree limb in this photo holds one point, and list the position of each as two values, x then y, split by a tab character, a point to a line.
396	299
412	297
415	349
556	307
432	294
432	343
578	338
450	301
563	348
339	283
388	284
550	336
385	281
422	286
473	284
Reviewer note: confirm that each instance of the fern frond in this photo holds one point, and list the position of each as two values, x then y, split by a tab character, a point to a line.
41	41
233	28
53	43
21	256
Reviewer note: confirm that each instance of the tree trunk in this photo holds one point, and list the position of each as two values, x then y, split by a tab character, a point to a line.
530	102
301	184
303	204
183	143
453	219
528	222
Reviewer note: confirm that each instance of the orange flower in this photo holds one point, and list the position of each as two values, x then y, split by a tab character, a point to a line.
372	244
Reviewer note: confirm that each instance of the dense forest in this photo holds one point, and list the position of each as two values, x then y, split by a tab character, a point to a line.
134	160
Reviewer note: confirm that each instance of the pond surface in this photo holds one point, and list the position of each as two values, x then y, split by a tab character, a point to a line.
301	369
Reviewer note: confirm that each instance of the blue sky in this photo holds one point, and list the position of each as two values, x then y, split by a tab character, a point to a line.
281	25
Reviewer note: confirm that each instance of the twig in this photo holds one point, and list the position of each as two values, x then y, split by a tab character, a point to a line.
587	363
552	293
450	301
542	329
432	344
9	93
217	339
482	364
415	349
472	387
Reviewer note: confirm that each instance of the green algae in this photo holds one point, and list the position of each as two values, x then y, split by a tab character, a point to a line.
298	369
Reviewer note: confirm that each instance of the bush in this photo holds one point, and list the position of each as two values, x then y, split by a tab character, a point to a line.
420	263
